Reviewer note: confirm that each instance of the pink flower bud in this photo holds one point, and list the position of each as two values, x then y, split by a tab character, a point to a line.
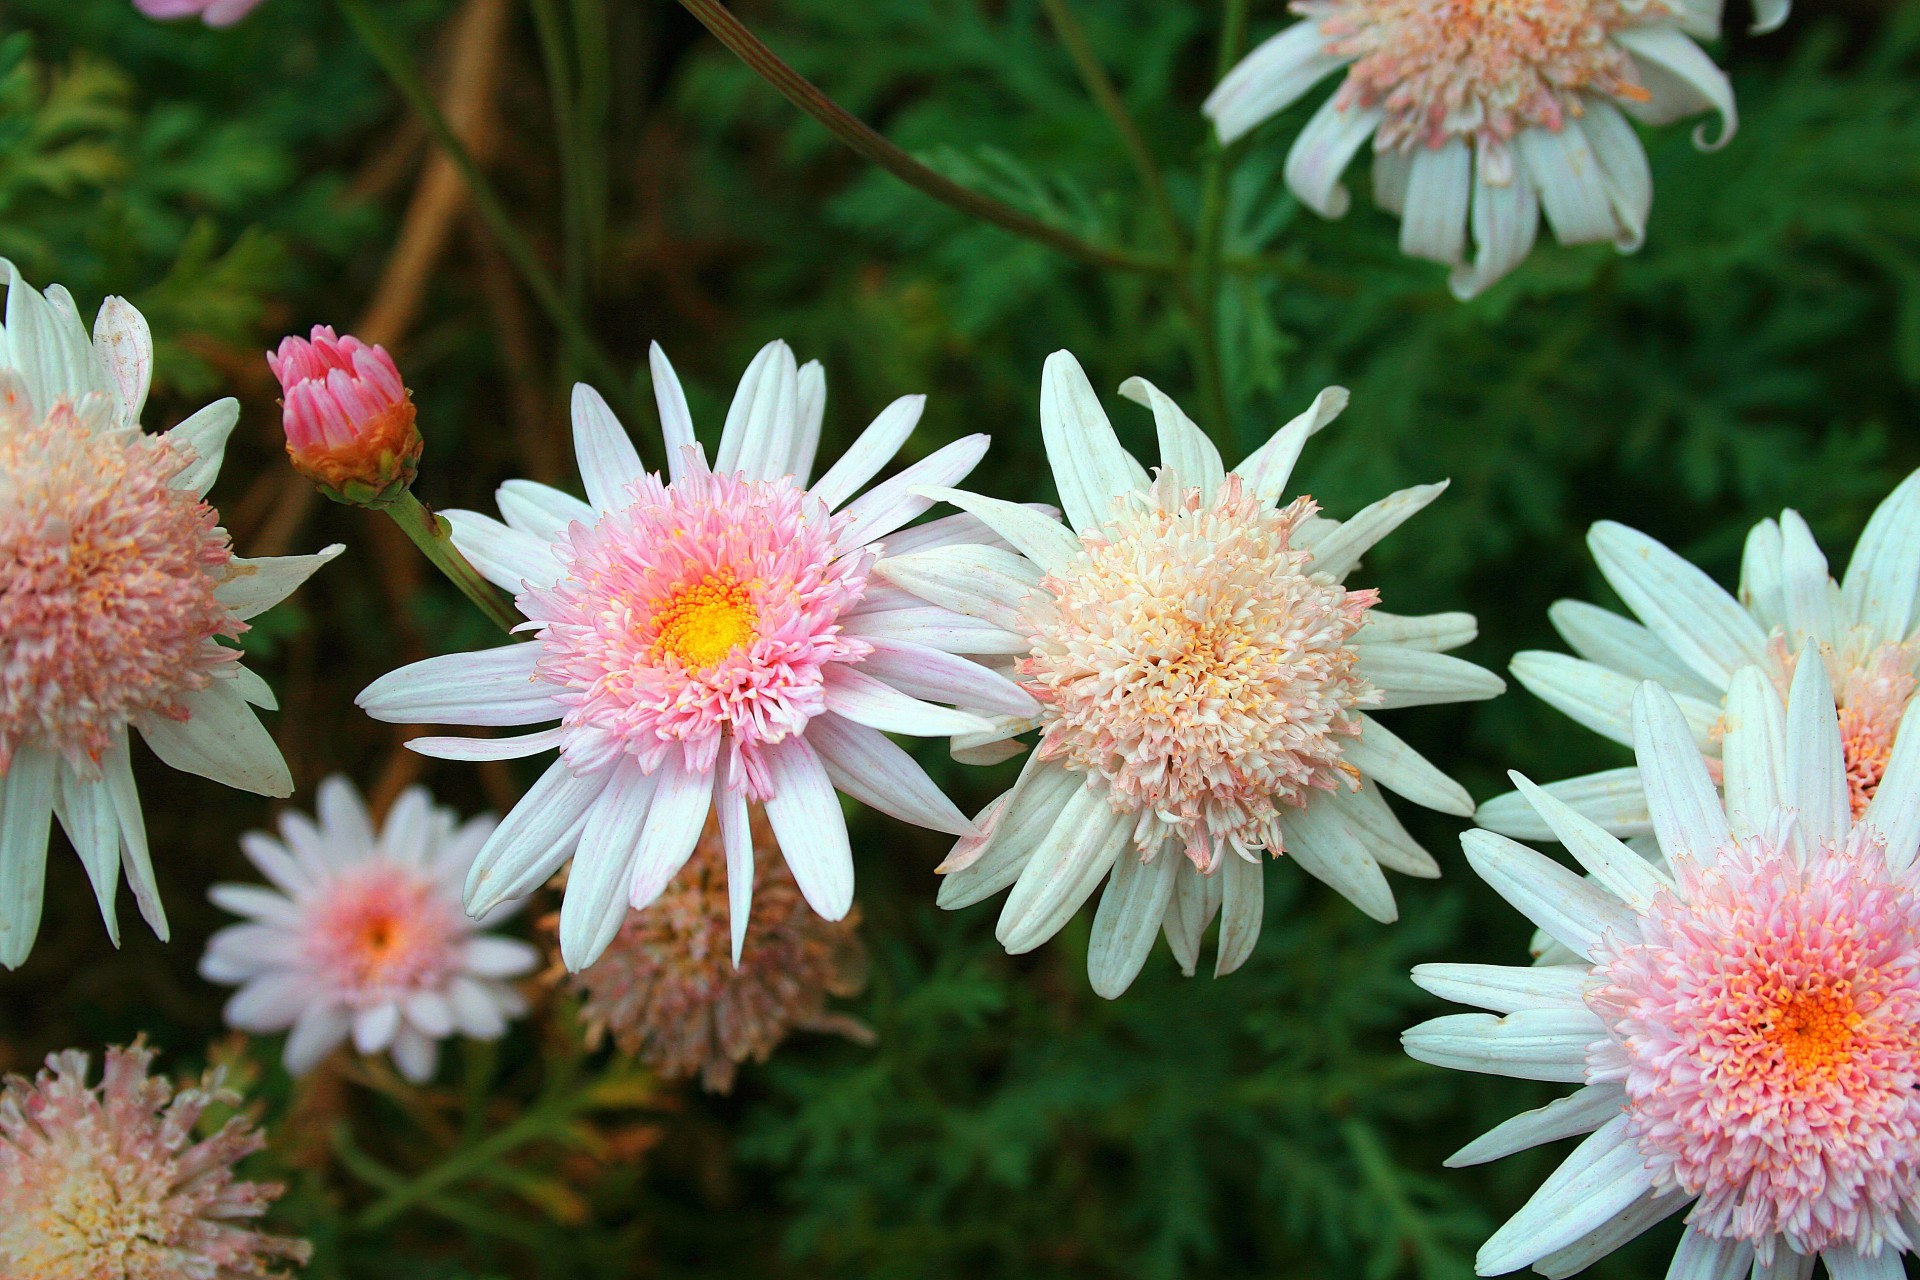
348	417
215	13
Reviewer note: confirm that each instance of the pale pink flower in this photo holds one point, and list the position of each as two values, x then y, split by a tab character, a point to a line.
707	641
108	1182
1741	1005
1204	676
120	581
668	992
1483	116
215	13
363	935
348	418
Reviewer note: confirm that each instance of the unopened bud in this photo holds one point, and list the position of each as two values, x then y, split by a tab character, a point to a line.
348	417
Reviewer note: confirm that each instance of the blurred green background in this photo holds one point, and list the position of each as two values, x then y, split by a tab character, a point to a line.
1762	351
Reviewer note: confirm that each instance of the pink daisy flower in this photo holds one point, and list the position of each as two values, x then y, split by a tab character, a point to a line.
1203	675
1741	1010
107	1181
363	935
712	639
121	587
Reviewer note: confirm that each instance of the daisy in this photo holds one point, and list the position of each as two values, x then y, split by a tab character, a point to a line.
713	639
1484	115
109	1180
121	584
1865	630
363	935
1204	675
668	993
1743	1013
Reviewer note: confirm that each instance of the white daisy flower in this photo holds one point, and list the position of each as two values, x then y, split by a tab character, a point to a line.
710	640
119	580
1483	116
1866	630
363	935
1741	1011
1204	676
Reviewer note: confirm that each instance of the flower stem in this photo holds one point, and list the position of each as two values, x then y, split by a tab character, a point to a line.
393	59
1208	241
431	534
871	145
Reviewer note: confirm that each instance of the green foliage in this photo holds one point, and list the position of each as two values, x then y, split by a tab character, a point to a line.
1762	350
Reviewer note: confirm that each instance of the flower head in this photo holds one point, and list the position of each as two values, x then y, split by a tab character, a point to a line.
121	587
348	417
108	1180
706	640
215	13
1484	114
1692	636
668	992
1742	1007
1203	674
365	936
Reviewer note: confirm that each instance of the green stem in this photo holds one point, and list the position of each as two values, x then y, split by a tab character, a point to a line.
871	145
1208	239
435	540
462	1164
399	68
553	54
1099	85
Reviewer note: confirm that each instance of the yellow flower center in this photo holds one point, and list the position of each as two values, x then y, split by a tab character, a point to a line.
1814	1030
705	621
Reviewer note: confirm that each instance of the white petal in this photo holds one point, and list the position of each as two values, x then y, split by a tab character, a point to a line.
255	586
1326	146
486	687
1573	192
1128	921
1089	466
136	859
539	509
123	350
221	739
812	831
682	799
757	440
897	499
1534	1044
676	420
271	1002
872	769
1341	550
935	628
1883	575
878	705
1197	899
202	437
873	450
1816	776
321	1029
1268	468
1434	225
415	1054
1417	678
1382	756
1623	169
505	556
1331	850
491	957
1683	78
534	839
1786	1265
1604	637
1243	903
1754	752
1507	988
475	1011
1505	218
1620	870
1604	1175
46	344
1895	808
1761	590
1435	632
607	459
253	688
1847	1263
87	814
1646	1212
1572	910
1045	541
1614	799
936	676
516	748
1184	447
1597	698
1687	816
1807	586
1065	869
256	902
1581	1111
596	900
1015	824
981	582
811	400
1690	612
1365	811
1270	79
1705	1257
430	1013
374	1026
26	811
736	841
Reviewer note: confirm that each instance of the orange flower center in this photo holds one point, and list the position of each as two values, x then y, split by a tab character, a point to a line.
705	621
1815	1030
